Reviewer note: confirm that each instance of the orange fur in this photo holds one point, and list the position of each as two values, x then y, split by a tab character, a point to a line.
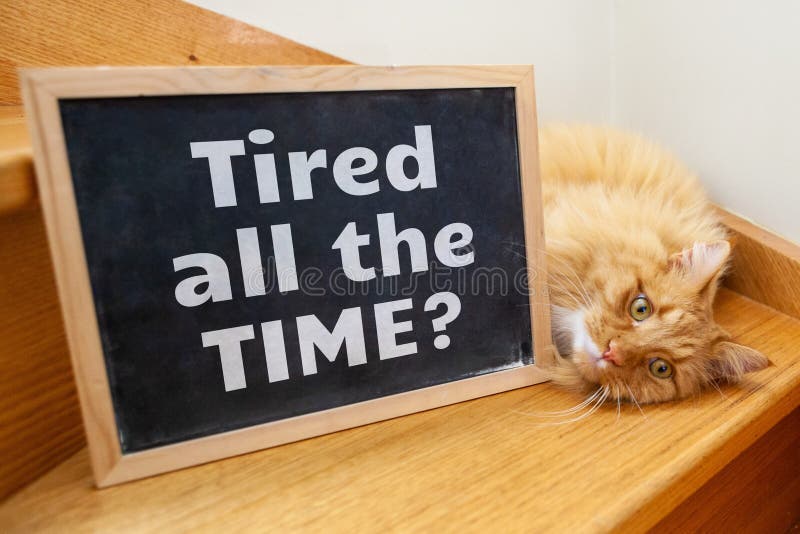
624	218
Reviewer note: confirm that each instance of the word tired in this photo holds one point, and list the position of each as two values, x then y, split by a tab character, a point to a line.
356	161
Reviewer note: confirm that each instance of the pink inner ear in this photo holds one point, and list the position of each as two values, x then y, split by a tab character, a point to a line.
733	360
703	261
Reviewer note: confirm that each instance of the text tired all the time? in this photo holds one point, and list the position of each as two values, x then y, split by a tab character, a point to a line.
214	283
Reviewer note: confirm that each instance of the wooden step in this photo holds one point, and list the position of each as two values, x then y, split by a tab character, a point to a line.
17	183
487	457
723	461
487	464
40	424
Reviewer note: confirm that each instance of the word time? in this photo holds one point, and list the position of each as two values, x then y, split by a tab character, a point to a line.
214	285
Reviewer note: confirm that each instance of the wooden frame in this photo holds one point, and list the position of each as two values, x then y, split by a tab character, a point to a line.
42	89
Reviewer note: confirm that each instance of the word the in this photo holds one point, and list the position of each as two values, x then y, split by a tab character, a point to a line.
216	278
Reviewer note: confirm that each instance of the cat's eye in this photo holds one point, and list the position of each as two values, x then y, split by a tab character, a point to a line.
641	308
660	368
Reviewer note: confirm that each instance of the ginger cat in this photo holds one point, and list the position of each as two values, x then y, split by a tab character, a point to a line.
635	255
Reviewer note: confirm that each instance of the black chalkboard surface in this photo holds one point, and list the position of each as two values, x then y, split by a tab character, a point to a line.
263	255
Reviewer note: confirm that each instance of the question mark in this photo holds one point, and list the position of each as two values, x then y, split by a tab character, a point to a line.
453	305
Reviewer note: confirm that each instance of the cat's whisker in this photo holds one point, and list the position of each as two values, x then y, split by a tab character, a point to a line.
578	285
568	294
633	398
619	404
584	415
715	386
573	279
554	283
515	253
558	288
569	411
559	276
580	289
553	278
512	243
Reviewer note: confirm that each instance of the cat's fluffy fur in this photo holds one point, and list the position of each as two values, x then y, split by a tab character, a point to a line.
624	218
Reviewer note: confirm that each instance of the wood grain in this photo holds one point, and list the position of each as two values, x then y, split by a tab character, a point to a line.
39	416
17	181
42	89
40	423
480	464
77	82
765	266
152	32
528	139
759	491
483	465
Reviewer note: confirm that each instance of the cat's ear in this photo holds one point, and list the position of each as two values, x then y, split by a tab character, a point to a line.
702	263
731	361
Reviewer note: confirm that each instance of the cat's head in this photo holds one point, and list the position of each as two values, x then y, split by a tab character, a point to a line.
646	330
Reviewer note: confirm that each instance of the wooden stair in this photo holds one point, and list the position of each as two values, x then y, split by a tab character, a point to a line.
723	461
487	464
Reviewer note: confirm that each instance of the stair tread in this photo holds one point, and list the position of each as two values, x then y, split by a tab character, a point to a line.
488	458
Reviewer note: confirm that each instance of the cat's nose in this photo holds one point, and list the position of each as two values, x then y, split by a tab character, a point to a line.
612	353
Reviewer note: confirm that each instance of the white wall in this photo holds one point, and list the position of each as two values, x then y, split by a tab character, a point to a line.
719	83
568	41
716	81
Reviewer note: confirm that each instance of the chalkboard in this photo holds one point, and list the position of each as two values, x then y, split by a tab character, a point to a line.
257	256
